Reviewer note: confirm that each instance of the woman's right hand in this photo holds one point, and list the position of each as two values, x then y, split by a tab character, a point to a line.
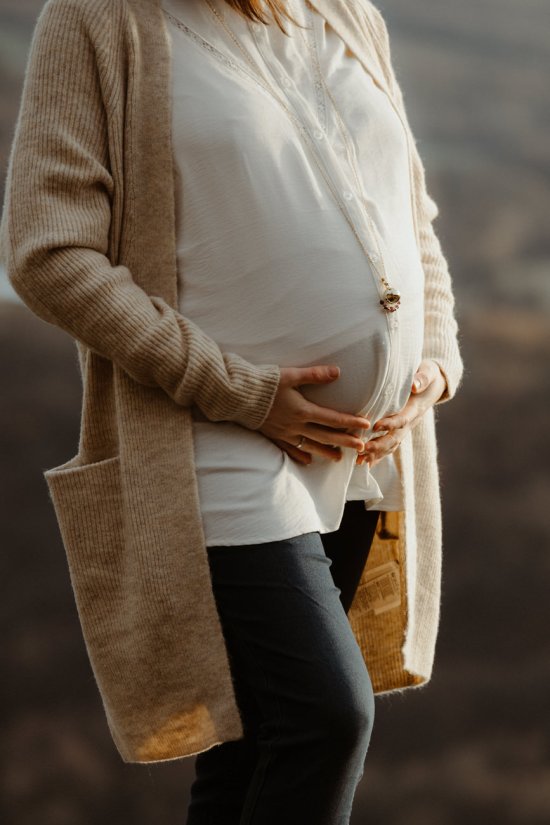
292	416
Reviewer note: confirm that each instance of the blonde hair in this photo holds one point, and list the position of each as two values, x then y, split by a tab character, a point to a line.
254	10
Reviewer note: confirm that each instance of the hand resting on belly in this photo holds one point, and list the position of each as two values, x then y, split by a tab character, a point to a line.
292	415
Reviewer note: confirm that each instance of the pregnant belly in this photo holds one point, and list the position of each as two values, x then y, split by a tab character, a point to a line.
376	367
363	365
305	309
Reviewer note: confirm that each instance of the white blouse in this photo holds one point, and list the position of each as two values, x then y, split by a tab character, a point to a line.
286	280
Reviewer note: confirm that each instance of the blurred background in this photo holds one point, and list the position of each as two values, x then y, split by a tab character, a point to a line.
474	745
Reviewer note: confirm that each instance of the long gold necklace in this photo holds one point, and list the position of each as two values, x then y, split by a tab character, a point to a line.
391	297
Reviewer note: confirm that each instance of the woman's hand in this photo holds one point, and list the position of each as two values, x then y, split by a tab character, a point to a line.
321	430
428	387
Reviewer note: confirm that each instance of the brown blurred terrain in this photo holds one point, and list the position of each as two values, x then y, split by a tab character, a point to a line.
473	745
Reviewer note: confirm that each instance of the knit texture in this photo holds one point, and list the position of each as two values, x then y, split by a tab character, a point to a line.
88	240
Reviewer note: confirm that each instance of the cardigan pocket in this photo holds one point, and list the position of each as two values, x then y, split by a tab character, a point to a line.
87	500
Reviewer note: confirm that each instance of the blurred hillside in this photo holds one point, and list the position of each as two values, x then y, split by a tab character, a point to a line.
475	76
474	745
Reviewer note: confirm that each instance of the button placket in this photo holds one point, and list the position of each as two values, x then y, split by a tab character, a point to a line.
338	167
334	167
395	349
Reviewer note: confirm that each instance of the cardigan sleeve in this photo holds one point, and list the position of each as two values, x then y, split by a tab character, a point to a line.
441	333
55	236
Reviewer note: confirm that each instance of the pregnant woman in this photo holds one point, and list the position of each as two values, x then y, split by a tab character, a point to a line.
222	202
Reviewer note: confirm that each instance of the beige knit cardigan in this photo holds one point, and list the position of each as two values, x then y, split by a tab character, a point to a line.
88	240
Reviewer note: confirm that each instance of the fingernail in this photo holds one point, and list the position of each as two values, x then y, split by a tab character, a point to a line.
416	384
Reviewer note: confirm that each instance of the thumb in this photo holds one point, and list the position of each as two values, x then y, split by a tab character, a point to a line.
420	381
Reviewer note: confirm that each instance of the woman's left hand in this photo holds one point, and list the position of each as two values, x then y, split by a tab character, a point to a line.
428	386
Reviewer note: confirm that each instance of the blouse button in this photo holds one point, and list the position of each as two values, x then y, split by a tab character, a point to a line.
286	82
318	134
348	195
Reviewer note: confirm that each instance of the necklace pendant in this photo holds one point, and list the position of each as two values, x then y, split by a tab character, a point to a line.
391	299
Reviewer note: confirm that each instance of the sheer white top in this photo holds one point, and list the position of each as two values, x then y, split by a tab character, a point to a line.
285	280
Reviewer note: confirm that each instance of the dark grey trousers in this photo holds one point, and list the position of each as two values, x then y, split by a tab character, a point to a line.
301	683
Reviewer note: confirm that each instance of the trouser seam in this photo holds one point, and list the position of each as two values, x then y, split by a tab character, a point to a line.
249	808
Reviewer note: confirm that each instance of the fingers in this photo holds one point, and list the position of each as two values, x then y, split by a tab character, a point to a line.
317	374
304	454
421	381
398	424
393	422
316	414
377	448
404	418
427	373
294	452
327	430
332	436
322	450
328	451
311	447
320	374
